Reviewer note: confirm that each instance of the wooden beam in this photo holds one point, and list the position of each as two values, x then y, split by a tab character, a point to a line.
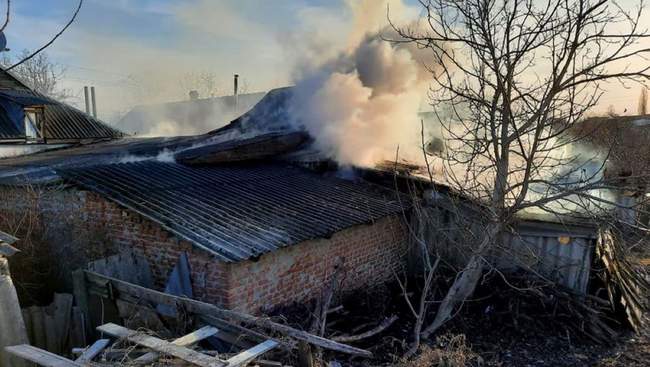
80	292
184	341
208	309
40	356
92	351
161	346
250	335
248	355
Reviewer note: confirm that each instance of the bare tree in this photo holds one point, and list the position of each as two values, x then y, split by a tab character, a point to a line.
40	73
517	76
643	101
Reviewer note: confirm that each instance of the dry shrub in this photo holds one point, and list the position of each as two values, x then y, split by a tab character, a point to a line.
448	351
55	237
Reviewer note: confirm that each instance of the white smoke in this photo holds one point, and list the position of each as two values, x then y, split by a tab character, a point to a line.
18	150
362	104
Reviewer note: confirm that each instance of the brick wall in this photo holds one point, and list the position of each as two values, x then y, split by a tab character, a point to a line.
81	226
127	229
369	253
295	273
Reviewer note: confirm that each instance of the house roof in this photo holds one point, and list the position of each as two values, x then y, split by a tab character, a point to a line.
238	212
188	117
62	121
42	167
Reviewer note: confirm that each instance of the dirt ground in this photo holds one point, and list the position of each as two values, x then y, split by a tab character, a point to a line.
493	333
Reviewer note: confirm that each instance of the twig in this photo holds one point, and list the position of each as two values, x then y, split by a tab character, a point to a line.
381	327
74	16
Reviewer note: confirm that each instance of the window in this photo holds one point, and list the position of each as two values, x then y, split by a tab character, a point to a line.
33	123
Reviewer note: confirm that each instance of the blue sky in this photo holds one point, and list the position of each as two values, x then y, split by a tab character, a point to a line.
158	40
115	39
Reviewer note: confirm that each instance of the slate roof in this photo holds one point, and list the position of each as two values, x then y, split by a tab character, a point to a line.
238	212
62	121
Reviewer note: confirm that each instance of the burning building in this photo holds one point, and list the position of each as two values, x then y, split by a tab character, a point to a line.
256	232
262	216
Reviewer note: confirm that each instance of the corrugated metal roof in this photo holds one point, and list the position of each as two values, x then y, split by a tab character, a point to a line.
24	97
238	212
62	121
7	128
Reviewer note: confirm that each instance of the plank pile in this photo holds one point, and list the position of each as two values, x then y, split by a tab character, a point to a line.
626	285
154	348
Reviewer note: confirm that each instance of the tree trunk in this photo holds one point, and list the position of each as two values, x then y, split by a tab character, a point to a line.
465	284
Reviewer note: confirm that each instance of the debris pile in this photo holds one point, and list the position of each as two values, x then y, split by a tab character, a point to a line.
627	285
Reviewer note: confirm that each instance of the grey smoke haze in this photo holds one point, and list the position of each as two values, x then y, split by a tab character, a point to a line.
362	103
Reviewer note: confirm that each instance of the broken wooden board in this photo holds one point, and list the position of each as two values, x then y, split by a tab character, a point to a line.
161	346
248	355
184	341
40	356
625	284
92	351
206	309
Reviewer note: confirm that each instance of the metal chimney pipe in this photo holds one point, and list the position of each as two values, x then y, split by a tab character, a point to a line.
87	100
92	97
236	92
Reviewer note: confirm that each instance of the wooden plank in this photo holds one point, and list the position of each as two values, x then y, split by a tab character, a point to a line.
160	345
80	293
247	336
40	356
207	309
196	336
183	341
248	355
92	351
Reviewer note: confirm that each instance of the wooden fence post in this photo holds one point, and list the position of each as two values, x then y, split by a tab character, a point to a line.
80	291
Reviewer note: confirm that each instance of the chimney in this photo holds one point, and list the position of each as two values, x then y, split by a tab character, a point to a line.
87	100
194	95
235	93
92	97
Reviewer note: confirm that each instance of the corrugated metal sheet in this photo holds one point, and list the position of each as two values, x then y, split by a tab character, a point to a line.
24	97
238	212
561	254
62	121
7	128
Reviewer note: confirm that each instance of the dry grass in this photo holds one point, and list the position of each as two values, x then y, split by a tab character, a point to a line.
448	351
54	238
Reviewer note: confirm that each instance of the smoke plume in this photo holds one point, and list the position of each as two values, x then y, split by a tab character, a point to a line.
363	103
